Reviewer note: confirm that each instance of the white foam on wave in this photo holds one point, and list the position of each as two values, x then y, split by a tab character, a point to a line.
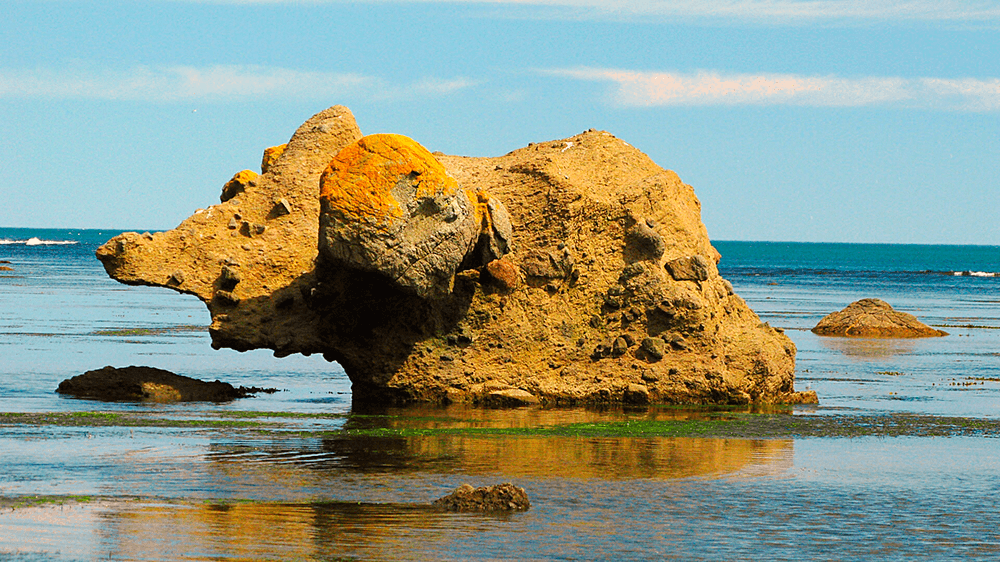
35	241
976	273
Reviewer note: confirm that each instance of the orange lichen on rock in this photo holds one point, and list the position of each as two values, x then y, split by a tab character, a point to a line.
271	156
237	185
480	202
357	185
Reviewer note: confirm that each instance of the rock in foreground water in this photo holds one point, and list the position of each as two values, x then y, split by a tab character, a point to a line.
874	318
501	497
585	274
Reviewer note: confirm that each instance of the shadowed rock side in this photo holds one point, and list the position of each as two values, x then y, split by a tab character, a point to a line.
874	318
588	277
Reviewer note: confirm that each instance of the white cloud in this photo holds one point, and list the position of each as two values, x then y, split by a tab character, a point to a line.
438	86
232	82
653	89
778	12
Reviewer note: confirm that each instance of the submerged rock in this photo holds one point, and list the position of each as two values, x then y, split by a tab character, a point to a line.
874	318
434	278
501	497
148	384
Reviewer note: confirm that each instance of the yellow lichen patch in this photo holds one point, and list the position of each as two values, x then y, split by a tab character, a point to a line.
358	182
271	156
480	201
238	184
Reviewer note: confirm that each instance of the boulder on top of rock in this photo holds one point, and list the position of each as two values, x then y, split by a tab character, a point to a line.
874	318
237	185
147	384
388	206
271	155
502	497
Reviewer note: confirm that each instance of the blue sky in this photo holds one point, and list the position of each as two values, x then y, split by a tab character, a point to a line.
829	120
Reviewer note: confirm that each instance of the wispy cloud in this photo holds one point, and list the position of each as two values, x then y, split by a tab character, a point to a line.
780	12
219	83
652	89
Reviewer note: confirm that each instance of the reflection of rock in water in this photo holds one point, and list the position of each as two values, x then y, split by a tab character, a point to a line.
273	531
558	456
869	348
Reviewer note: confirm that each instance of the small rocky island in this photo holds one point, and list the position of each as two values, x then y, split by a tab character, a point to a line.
874	318
574	271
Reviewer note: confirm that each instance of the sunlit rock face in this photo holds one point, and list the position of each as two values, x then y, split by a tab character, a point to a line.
571	271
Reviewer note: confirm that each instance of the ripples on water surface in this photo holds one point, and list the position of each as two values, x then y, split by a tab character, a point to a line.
217	482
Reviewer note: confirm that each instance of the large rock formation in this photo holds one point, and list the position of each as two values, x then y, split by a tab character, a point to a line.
572	271
874	318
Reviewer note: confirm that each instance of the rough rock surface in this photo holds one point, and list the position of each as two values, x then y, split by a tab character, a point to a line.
554	303
502	497
147	384
874	318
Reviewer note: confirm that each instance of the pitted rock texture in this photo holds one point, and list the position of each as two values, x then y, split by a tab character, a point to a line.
590	277
874	318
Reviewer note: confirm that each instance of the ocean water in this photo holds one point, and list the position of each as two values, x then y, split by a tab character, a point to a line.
166	491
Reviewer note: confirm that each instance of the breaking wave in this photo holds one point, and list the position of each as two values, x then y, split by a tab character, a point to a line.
35	241
976	273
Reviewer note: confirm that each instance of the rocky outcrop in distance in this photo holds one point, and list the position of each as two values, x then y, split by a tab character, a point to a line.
874	318
574	271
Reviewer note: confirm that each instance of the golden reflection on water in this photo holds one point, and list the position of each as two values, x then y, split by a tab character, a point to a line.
304	465
278	531
509	456
867	349
309	529
285	495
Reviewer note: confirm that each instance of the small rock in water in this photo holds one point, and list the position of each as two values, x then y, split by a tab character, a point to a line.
501	497
149	384
874	318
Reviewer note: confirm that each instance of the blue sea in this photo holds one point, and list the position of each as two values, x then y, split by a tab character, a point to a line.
167	492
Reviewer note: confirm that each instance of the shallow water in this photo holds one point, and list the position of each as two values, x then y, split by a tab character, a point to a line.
307	488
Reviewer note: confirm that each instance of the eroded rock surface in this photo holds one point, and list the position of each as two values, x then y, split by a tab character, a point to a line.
874	318
584	276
